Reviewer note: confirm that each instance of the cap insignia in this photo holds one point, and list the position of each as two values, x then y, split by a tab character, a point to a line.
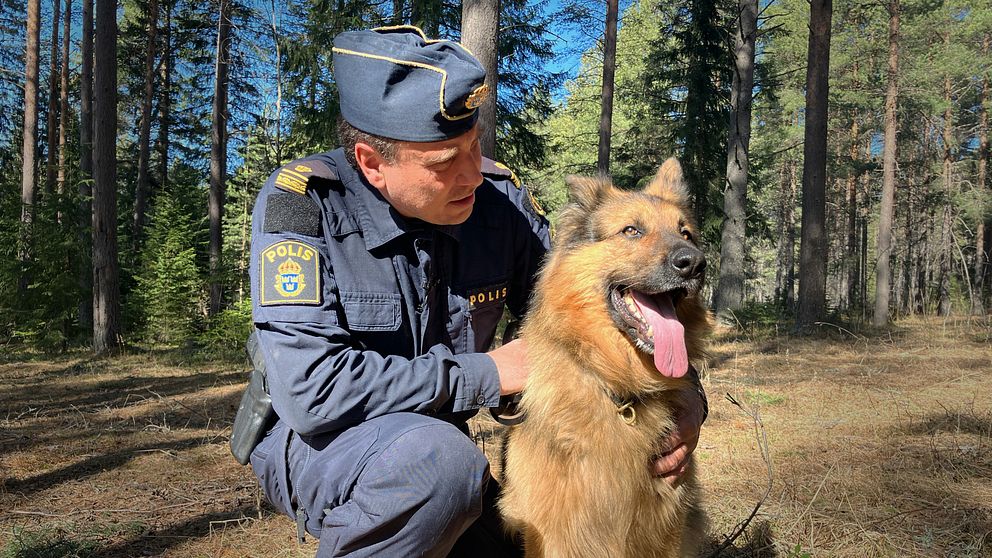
477	97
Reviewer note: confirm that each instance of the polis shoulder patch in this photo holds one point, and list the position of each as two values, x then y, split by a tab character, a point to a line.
294	176
289	273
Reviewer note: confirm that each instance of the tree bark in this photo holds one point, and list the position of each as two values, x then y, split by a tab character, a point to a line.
64	99
29	149
85	272
106	294
730	288
814	243
852	216
944	276
165	99
883	270
609	73
480	34
218	155
143	187
51	134
982	248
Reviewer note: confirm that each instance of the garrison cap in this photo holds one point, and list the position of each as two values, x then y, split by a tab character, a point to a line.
396	83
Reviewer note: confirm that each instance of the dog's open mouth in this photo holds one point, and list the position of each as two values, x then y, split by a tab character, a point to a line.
651	323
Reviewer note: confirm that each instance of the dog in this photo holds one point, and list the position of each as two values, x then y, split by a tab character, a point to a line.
613	325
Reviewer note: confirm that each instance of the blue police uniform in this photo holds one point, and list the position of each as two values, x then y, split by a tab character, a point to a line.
371	326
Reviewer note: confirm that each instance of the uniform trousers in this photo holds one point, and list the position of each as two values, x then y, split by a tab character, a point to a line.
400	485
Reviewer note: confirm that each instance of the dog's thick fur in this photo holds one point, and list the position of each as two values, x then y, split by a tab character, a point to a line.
577	478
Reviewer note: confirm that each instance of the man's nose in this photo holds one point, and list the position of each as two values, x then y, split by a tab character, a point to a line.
469	170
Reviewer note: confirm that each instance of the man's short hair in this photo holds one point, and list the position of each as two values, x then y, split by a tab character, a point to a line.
350	135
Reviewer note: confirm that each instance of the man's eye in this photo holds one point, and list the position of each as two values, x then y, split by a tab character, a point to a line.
631	231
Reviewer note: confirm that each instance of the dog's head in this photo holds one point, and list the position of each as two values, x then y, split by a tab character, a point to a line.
629	262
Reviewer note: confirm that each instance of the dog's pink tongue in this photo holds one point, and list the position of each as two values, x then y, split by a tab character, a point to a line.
670	356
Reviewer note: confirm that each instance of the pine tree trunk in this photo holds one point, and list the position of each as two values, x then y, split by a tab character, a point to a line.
106	294
883	274
51	134
218	155
165	99
606	96
29	149
730	288
982	248
814	243
143	187
944	277
85	270
852	212
480	34
64	99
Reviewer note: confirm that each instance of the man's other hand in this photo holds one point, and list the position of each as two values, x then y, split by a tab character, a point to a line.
677	447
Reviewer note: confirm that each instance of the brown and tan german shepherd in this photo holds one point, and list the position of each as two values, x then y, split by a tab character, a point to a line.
613	326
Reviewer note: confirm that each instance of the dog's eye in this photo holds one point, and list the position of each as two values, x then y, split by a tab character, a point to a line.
687	234
631	231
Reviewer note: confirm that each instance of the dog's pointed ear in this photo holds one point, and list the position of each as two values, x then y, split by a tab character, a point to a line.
669	184
587	191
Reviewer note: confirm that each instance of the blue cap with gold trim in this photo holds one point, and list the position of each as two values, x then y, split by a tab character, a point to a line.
396	83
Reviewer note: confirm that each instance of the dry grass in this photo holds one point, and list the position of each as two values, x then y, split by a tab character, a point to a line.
880	445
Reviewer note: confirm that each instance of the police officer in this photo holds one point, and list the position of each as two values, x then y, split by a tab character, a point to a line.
379	272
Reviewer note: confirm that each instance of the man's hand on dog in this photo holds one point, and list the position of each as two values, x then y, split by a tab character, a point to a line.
511	363
671	465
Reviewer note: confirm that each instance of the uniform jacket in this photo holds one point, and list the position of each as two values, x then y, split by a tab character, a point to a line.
362	312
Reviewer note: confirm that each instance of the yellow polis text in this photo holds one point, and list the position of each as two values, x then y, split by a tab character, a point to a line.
293	250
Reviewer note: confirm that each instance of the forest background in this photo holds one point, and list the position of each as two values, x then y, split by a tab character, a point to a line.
837	151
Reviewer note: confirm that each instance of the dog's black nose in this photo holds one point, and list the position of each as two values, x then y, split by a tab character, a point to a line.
688	262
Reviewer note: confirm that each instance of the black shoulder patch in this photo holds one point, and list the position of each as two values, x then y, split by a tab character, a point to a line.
291	213
294	176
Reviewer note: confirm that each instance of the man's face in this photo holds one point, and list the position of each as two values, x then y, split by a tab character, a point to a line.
434	181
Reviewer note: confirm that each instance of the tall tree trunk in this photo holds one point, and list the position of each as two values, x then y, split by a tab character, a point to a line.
218	155
106	294
275	40
730	288
609	72
51	134
143	187
883	272
480	34
852	217
944	277
64	98
165	98
29	149
85	271
814	243
982	248
785	272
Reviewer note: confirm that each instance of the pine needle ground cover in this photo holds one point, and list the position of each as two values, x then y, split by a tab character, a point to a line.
856	444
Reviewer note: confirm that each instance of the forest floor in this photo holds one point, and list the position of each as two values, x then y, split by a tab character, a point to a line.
869	444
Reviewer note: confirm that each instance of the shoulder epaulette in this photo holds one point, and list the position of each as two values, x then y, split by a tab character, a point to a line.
494	168
293	177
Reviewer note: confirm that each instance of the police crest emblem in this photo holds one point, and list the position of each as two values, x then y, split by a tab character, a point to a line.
289	273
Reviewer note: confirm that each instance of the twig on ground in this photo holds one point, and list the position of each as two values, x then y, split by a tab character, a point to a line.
762	438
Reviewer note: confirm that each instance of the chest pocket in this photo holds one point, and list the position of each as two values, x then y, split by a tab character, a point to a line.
372	311
485	311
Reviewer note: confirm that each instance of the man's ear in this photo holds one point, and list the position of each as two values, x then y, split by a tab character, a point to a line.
370	163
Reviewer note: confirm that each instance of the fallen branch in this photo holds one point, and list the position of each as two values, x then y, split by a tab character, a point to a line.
762	438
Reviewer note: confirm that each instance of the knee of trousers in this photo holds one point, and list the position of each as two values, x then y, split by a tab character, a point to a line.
433	462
